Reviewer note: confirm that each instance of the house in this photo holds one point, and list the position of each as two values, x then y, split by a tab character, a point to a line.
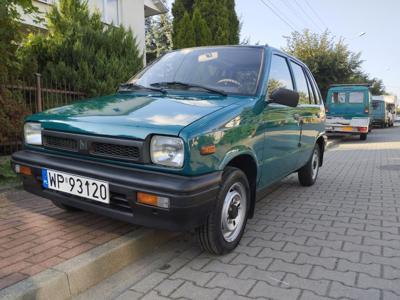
129	13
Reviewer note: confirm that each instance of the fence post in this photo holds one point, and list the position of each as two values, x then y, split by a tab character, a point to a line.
39	103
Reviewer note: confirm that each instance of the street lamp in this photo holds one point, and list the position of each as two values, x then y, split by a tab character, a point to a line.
361	34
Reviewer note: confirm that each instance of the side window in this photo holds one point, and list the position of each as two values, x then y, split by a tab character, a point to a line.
311	89
301	83
315	99
317	94
279	75
338	97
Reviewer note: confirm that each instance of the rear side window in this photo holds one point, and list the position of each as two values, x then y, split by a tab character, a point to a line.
301	83
313	88
356	97
279	75
338	97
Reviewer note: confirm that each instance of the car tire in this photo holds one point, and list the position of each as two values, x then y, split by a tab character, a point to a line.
363	136
224	227
64	207
309	172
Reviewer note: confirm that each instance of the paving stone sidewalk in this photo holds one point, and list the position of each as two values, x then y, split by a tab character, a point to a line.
336	240
35	235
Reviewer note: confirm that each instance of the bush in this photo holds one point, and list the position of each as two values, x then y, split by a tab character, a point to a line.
12	113
7	175
80	51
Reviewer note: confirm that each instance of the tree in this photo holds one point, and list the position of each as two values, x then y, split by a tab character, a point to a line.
179	7
214	21
377	87
158	36
12	107
185	38
233	23
10	33
202	34
81	51
330	61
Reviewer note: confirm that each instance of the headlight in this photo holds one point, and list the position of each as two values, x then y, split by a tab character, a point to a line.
33	133
167	151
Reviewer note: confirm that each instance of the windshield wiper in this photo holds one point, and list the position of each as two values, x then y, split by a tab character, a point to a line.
134	86
188	85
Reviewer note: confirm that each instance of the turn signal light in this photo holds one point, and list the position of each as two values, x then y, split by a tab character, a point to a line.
363	129
24	170
153	200
210	149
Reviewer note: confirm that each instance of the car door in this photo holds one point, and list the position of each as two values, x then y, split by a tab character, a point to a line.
281	129
309	112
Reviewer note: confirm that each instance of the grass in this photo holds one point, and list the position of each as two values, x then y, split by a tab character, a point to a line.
7	175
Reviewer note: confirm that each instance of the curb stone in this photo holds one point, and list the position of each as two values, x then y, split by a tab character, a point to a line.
76	275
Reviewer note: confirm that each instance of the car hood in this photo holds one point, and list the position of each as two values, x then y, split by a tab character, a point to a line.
131	115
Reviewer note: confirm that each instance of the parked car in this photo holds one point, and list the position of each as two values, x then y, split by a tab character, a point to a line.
383	110
348	108
188	143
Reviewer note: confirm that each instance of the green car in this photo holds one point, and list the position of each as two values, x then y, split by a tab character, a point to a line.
348	109
383	113
189	143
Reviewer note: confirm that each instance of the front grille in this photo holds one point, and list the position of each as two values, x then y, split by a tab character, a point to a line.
62	143
114	150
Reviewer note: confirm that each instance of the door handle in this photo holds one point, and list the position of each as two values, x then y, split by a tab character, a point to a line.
298	118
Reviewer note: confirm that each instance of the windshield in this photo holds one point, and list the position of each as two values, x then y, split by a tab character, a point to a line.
233	70
377	105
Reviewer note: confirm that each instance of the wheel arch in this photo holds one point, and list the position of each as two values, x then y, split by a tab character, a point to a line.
246	162
321	142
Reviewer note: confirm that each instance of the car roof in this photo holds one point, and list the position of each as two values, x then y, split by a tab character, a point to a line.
348	87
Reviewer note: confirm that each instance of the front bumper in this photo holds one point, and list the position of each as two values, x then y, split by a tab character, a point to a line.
191	198
378	121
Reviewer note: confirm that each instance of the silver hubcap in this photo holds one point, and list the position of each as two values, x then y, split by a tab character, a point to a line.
233	212
315	164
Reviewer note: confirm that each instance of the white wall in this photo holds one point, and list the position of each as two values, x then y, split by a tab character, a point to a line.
131	15
43	9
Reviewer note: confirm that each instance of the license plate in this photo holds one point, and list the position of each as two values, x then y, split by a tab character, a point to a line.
347	128
93	189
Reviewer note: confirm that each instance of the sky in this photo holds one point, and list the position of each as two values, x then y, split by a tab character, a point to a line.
379	20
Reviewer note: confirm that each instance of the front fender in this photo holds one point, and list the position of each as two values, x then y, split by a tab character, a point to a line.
238	151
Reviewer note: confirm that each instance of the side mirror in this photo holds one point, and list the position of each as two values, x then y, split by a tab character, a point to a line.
285	97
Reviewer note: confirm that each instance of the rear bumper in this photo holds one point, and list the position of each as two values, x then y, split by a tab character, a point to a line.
343	126
191	198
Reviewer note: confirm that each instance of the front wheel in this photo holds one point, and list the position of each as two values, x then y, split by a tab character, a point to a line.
225	225
308	173
363	136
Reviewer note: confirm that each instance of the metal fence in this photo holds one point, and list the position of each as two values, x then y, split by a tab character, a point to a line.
27	96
